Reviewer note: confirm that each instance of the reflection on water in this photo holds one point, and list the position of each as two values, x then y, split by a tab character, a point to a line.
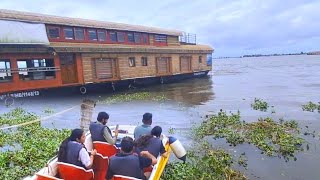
189	92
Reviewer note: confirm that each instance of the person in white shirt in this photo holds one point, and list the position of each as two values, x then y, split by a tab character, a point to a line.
73	151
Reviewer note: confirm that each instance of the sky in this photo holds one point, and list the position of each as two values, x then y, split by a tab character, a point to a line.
232	28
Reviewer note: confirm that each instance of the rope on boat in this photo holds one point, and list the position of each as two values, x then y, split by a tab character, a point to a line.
39	119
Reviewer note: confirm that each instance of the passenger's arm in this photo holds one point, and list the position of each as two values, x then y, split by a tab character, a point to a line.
163	151
150	156
85	159
108	137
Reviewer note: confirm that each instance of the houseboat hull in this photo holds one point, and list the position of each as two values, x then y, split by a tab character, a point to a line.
101	87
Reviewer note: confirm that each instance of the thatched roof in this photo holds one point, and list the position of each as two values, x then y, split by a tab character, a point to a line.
58	20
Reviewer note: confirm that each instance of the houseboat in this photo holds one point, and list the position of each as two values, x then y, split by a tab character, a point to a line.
40	51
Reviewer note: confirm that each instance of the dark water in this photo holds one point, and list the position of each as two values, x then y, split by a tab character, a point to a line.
285	82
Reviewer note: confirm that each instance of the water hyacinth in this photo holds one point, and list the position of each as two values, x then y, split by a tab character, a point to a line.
260	105
311	107
205	163
35	145
127	97
273	138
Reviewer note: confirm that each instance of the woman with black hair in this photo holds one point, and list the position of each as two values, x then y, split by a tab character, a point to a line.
73	151
151	143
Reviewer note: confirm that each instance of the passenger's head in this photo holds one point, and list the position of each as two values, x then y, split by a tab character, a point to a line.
156	131
127	144
103	117
77	135
147	118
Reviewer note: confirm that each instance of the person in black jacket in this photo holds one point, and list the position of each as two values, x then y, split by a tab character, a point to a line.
127	163
100	132
73	151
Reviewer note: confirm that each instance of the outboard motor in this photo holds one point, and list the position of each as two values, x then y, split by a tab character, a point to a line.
177	148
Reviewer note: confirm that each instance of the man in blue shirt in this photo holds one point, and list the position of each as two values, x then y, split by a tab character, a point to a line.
126	163
145	128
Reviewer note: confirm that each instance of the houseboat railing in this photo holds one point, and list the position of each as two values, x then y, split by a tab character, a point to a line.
188	38
33	69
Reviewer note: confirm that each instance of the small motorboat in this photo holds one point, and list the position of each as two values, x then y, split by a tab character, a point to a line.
50	172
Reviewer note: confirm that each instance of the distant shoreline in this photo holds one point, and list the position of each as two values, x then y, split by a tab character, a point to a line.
268	55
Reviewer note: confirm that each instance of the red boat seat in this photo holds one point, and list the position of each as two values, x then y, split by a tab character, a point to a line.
71	172
45	177
105	149
100	166
120	177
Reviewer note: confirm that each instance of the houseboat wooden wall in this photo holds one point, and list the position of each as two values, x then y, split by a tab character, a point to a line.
122	70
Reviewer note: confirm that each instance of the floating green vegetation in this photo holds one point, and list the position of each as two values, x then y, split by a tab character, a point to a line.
243	161
206	163
171	130
126	97
273	138
259	104
48	111
311	107
26	149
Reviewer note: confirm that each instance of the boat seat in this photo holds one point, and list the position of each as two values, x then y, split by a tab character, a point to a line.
104	148
45	177
71	172
120	177
100	166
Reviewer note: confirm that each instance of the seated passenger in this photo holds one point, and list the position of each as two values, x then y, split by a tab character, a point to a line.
145	128
152	143
127	163
73	151
100	132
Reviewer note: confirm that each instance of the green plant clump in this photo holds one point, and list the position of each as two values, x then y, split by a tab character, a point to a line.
26	149
48	111
259	104
311	107
127	97
272	137
207	164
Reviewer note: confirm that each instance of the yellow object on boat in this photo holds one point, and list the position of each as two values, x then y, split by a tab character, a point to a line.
162	163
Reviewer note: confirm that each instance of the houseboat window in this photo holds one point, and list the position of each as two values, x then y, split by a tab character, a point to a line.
145	38
113	36
79	33
102	35
36	69
120	36
5	71
160	38
137	37
92	35
130	37
68	33
132	61
54	32
209	60
144	61
200	59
